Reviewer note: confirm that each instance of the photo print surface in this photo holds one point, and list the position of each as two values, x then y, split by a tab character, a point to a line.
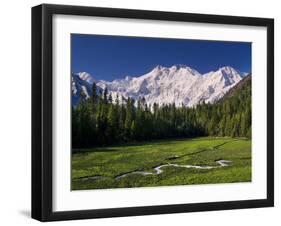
150	112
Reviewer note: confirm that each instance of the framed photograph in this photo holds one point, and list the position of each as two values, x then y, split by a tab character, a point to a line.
146	112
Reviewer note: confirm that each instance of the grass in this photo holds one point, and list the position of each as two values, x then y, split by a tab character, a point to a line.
97	168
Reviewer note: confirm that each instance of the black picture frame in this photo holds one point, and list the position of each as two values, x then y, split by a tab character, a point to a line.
42	111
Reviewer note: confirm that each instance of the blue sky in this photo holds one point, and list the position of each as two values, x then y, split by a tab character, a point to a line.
112	57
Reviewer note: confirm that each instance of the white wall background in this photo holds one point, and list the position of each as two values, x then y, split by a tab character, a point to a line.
15	113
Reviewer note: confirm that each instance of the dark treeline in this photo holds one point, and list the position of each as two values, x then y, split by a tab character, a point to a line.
100	121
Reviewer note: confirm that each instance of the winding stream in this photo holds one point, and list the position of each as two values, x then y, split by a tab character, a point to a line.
159	170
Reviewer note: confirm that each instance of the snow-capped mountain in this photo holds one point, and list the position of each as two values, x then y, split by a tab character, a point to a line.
81	84
178	84
86	77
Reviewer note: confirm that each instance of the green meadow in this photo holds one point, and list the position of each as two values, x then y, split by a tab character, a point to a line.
207	160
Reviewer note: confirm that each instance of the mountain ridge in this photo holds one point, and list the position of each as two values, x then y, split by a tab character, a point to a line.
246	81
179	84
